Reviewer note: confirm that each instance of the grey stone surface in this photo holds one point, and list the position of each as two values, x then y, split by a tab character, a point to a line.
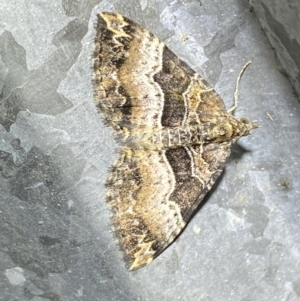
244	242
281	23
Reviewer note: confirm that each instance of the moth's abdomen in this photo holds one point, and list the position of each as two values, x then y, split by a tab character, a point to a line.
164	137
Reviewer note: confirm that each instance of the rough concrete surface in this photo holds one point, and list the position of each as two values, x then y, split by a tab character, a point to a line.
55	152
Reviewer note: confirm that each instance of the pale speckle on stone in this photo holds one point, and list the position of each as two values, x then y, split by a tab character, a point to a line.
15	276
38	298
196	229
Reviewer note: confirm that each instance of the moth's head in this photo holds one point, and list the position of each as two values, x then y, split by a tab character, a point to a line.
247	126
229	128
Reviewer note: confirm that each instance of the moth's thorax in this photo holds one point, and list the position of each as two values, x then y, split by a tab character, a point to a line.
213	130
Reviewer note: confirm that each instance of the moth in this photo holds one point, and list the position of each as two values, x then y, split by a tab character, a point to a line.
174	132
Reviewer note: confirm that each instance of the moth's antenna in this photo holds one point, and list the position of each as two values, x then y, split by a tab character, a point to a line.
237	88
